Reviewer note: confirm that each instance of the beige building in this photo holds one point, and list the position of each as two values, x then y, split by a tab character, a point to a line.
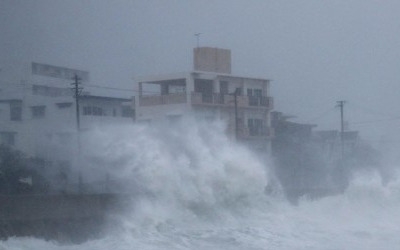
210	91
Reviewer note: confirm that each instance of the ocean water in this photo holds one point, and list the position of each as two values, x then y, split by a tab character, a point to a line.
202	191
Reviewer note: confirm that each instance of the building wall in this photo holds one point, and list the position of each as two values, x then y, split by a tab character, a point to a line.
207	97
47	124
212	60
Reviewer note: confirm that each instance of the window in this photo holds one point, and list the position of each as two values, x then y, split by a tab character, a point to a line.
223	87
15	112
38	111
254	92
50	91
95	111
64	105
238	91
255	96
255	127
127	112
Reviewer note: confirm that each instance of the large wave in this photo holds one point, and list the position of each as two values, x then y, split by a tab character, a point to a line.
193	169
198	189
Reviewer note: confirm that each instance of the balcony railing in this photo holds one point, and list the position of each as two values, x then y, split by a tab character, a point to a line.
263	101
229	100
208	99
162	99
215	99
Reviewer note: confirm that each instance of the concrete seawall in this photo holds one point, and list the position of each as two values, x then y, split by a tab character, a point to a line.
61	217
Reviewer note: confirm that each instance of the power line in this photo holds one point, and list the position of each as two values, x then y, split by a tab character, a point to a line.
379	120
370	111
321	115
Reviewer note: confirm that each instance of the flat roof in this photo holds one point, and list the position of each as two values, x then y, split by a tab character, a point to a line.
172	76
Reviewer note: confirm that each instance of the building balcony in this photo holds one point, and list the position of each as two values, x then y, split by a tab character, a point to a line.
217	99
162	99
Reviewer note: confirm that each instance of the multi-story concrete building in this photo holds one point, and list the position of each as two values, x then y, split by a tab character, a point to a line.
38	110
212	92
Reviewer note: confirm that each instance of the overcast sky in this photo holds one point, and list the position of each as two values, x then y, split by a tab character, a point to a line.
316	52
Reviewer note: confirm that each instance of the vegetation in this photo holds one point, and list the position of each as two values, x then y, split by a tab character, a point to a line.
18	174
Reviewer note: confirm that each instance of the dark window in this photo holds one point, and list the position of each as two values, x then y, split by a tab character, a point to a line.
255	127
127	112
96	111
223	87
238	91
254	92
87	111
203	86
63	105
255	96
15	113
38	111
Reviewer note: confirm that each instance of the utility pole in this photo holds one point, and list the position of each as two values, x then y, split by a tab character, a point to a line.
236	113
77	92
198	39
340	104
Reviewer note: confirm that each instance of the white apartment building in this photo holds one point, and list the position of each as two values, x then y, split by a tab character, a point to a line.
38	110
210	91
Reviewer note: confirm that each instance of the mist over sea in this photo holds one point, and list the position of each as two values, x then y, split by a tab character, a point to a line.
200	190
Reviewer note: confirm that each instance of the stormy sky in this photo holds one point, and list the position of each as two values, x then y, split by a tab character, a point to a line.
316	52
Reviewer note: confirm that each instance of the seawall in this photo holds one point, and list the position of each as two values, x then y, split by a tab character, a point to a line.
72	217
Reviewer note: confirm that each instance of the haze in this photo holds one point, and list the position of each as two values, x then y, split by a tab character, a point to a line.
316	52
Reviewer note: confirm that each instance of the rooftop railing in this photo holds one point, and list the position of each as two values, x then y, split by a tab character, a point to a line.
199	98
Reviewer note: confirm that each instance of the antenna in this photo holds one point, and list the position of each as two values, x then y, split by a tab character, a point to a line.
197	38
